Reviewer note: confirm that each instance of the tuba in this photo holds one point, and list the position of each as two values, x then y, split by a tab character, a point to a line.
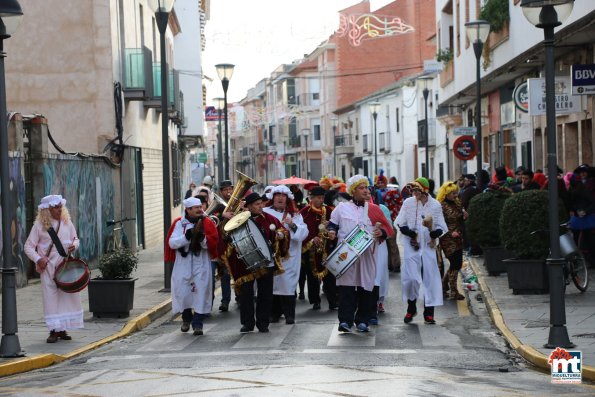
242	186
216	204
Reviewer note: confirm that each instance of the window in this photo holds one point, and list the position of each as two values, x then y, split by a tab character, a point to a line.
153	24
316	96
142	25
398	119
175	174
316	132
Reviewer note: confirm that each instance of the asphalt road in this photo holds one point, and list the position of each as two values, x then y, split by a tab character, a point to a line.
460	356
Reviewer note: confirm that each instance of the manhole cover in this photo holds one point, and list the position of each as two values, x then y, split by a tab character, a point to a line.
584	335
537	324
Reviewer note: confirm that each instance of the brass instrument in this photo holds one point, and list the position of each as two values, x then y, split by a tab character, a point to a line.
322	234
242	186
216	203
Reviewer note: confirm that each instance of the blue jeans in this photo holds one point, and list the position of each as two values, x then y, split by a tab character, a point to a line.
195	319
225	284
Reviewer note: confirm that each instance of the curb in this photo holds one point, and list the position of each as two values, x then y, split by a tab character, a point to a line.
529	353
45	360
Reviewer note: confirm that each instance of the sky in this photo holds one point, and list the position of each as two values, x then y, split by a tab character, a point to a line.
257	36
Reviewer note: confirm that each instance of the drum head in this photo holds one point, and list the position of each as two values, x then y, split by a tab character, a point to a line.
259	239
72	275
237	221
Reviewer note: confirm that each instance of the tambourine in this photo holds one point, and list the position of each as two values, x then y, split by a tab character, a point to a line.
72	275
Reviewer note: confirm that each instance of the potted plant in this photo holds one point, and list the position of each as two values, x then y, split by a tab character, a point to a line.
112	294
523	214
483	229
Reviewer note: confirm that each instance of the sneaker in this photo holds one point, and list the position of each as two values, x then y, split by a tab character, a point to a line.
409	317
185	327
53	338
344	327
316	306
245	330
197	331
380	307
63	335
429	320
373	321
362	327
224	307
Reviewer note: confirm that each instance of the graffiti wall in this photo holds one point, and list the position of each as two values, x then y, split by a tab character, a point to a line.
87	185
18	217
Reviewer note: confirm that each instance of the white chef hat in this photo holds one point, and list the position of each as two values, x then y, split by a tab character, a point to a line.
280	189
52	200
355	181
191	202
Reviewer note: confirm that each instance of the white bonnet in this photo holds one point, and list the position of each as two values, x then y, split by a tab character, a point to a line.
355	181
191	202
280	189
52	200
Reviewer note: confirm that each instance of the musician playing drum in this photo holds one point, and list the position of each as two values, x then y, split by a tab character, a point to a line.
356	299
63	311
244	278
285	210
315	249
195	238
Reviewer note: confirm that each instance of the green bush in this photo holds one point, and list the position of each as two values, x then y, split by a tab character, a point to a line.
483	224
496	13
118	264
522	214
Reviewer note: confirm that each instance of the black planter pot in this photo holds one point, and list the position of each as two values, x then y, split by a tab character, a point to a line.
493	259
527	276
111	298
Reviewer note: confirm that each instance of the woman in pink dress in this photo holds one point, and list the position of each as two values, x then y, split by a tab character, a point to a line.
62	311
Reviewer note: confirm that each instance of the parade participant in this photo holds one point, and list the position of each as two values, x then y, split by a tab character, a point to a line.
225	190
451	242
393	200
195	238
420	222
356	285
243	279
190	191
380	188
381	281
315	249
62	311
284	285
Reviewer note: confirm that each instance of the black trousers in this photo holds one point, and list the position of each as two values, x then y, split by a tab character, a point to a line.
455	260
355	305
283	305
263	302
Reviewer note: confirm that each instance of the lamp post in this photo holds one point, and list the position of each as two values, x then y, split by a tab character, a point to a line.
548	14
225	71
374	106
10	18
219	104
305	133
426	93
334	120
162	9
477	33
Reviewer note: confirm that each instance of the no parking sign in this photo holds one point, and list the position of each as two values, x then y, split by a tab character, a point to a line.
465	147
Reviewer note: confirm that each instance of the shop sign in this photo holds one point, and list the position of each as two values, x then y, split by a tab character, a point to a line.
565	102
583	79
521	97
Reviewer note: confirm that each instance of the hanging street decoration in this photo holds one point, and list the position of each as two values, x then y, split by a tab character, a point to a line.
369	26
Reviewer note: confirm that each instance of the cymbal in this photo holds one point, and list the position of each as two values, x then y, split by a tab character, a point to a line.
237	221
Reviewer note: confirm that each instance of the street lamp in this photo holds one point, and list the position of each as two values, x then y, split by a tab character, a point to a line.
225	71
10	18
219	104
426	93
547	14
477	33
305	133
334	120
374	106
162	9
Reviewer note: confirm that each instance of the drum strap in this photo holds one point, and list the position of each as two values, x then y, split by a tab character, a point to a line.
56	241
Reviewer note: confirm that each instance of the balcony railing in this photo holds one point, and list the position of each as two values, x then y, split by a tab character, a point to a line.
344	140
308	99
138	74
294	141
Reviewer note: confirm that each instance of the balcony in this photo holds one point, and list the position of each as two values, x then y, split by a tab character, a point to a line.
174	95
311	99
138	77
344	144
294	141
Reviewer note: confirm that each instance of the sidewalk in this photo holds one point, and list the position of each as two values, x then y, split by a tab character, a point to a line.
149	304
524	319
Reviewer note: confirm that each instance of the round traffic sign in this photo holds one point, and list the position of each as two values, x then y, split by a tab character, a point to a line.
465	147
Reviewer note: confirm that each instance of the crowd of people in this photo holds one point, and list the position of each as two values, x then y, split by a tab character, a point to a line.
294	232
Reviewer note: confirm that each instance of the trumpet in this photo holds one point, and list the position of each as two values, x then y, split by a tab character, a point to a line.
216	204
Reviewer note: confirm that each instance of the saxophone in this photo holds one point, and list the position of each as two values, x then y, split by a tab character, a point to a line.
322	232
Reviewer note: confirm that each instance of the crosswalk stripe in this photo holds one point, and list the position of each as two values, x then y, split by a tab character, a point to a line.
274	338
174	341
352	339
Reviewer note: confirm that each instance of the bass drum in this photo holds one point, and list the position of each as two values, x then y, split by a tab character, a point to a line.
72	275
252	248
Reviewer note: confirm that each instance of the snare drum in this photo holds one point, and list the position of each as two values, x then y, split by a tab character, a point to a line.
249	242
72	275
348	251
